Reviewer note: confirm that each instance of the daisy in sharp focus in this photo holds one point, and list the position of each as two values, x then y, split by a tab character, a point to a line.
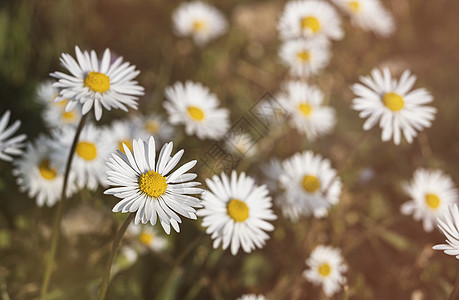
326	267
431	193
193	105
309	19
236	212
148	187
198	20
311	185
369	15
10	145
398	109
97	83
306	112
38	176
305	58
449	225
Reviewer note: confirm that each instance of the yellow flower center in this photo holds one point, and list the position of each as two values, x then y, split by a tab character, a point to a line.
68	116
238	210
393	101
196	113
310	183
46	171
354	6
324	270
127	143
152	126
310	23
98	82
146	238
153	184
86	150
303	56
432	201
199	25
305	109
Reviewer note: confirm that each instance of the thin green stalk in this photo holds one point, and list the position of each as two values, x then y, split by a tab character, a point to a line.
58	214
111	257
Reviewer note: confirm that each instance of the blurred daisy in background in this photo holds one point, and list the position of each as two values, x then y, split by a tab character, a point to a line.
309	19
398	109
122	132
37	174
310	183
147	187
236	212
198	20
91	151
431	193
326	268
304	58
154	125
306	111
147	236
10	145
240	143
251	297
46	93
448	224
194	106
97	83
125	259
271	171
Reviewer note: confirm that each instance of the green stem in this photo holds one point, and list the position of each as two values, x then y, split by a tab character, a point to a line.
111	257
58	215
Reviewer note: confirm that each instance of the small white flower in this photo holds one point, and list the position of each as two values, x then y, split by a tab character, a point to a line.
46	94
236	211
303	57
199	20
398	110
448	224
311	185
431	192
310	19
271	171
154	125
147	236
307	113
326	267
194	106
10	145
97	83
122	132
251	297
38	176
240	143
146	185
370	15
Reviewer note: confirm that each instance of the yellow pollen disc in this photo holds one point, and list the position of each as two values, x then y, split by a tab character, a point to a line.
310	183
196	113
393	101
146	238
86	150
432	201
324	269
199	25
46	171
68	116
354	6
238	210
97	82
153	184
152	126
305	109
127	143
310	23
303	56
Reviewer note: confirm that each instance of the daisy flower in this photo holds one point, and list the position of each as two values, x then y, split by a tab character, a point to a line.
369	15
123	132
148	186
46	94
91	152
431	192
198	20
309	19
326	267
398	110
97	83
37	175
310	183
304	58
55	116
240	143
10	145
154	125
251	297
147	237
271	171
236	211
194	106
448	224
306	112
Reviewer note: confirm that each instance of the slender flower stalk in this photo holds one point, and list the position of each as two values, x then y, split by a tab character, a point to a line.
58	215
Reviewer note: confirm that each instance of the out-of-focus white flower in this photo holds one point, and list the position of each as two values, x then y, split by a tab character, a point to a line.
10	145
